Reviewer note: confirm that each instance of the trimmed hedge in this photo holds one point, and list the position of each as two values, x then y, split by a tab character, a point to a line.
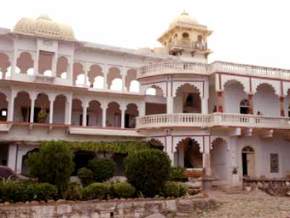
73	191
147	171
173	189
96	191
86	176
14	191
177	174
103	169
122	190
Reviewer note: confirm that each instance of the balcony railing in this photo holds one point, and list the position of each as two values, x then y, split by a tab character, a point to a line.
211	120
207	69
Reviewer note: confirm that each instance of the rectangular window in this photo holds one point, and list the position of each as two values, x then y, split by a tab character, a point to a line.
274	163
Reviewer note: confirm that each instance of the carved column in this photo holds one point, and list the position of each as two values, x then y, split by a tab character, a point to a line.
32	98
85	107
68	110
11	106
51	101
206	157
250	100
124	74
35	62
123	110
220	101
104	114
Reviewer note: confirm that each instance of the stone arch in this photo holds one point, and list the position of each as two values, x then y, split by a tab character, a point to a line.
62	67
248	161
234	93
24	167
113	115
188	153
4	65
266	101
45	61
187	99
59	109
130	115
154	90
24	62
132	83
95	72
114	79
79	77
219	158
22	104
41	108
94	113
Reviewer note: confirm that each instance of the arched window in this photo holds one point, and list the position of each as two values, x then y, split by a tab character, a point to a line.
185	35
244	106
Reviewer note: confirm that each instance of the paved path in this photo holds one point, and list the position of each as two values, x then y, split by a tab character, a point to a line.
255	204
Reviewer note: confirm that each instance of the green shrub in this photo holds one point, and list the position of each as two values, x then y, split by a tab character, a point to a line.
177	174
122	190
147	171
73	191
52	164
96	191
86	176
103	169
173	189
15	191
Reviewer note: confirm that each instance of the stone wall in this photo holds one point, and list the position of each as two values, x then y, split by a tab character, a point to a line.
107	209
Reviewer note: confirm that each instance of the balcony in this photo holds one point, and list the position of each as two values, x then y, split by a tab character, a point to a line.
212	120
173	68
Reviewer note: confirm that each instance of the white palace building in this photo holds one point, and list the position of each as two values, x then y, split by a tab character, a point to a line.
221	117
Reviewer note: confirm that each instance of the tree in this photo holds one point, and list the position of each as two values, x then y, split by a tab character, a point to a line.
53	164
148	171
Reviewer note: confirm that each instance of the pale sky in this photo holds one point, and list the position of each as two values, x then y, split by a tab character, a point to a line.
245	31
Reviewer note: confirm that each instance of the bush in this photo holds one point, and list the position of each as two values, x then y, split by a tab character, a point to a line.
147	171
122	190
103	169
52	164
177	174
73	191
15	191
96	191
173	189
86	176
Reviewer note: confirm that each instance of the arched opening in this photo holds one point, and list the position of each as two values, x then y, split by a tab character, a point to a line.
25	62
82	158
24	167
244	106
155	100
188	154
187	99
185	36
219	159
94	114
79	77
41	109
3	107
62	67
113	115
94	73
59	106
265	101
234	94
22	103
131	81
248	161
77	111
45	63
115	79
130	115
4	65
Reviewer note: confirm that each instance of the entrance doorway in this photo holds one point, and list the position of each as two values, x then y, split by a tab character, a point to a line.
248	161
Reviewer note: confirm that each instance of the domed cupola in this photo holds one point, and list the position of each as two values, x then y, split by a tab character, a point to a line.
186	37
43	26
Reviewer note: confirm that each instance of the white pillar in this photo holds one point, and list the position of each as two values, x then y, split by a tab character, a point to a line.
123	110
14	61
169	105
204	106
32	98
206	156
124	88
51	101
12	154
11	106
169	148
104	114
70	69
105	72
54	64
68	110
85	107
86	68
35	62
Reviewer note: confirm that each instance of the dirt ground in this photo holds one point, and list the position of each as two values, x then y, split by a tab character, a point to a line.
255	204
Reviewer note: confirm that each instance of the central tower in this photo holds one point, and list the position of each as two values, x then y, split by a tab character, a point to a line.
186	37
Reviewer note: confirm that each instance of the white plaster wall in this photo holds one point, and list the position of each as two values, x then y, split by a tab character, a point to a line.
178	104
233	95
220	161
